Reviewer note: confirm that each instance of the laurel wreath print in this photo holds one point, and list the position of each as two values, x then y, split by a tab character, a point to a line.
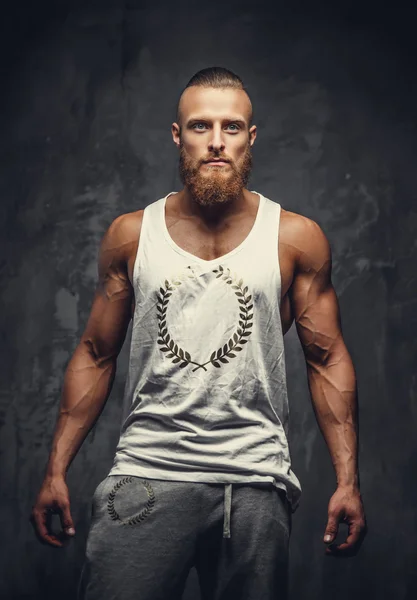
114	515
234	344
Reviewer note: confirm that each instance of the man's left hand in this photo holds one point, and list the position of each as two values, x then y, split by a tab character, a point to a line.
345	506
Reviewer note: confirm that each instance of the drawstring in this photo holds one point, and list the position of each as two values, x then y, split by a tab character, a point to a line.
226	509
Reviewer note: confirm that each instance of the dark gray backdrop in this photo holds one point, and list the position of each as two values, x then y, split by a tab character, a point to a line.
88	97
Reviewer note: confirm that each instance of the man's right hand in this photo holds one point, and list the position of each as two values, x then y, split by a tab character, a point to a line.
53	498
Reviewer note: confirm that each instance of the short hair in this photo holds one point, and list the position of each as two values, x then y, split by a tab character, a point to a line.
216	77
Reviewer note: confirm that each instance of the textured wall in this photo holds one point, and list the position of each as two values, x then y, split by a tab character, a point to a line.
91	90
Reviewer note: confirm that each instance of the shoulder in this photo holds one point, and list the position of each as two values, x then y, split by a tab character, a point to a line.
305	239
124	229
121	237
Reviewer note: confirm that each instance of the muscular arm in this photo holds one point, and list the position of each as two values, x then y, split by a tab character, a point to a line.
331	379
90	373
330	372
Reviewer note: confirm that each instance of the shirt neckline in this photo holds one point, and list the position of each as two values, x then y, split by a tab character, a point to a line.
244	242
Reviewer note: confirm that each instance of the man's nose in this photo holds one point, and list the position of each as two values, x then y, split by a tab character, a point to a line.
217	141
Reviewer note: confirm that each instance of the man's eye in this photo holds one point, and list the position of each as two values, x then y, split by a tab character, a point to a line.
201	126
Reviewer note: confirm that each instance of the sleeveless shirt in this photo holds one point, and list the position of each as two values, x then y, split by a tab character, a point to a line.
206	397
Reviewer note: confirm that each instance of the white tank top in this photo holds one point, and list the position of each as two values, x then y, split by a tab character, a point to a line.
206	395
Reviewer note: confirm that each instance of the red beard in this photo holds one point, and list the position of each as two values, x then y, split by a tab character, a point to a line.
219	184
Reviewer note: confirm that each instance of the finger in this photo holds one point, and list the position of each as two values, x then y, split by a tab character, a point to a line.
331	530
66	520
351	545
41	522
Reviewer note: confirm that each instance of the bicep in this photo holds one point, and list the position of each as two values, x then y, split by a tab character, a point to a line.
314	302
111	309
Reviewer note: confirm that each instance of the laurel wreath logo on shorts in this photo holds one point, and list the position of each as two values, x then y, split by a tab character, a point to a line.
136	518
234	344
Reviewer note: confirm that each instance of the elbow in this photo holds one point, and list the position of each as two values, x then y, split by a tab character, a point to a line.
325	354
98	355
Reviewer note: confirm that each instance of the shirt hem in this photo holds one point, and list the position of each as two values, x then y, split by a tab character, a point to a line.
199	477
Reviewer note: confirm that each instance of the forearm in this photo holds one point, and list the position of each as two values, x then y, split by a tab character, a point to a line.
87	385
333	392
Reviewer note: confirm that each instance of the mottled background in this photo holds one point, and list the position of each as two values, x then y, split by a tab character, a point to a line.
89	90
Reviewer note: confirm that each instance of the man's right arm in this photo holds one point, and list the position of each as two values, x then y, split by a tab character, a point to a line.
90	373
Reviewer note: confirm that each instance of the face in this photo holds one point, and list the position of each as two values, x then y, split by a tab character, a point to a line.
214	125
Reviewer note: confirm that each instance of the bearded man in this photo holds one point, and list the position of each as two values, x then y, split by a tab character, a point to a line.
213	277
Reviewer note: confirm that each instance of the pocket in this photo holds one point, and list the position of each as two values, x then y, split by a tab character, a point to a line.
130	500
96	501
98	489
284	509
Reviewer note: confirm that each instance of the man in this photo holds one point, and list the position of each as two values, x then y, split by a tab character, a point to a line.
213	276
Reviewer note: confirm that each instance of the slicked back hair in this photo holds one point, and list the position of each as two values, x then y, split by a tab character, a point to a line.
215	77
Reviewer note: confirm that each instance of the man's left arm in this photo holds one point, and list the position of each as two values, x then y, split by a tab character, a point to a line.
331	379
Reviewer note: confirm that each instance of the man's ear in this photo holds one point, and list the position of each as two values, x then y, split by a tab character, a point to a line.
176	132
252	134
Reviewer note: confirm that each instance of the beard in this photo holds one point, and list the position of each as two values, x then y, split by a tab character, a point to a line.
219	184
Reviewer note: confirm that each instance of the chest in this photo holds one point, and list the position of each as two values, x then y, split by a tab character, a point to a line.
209	246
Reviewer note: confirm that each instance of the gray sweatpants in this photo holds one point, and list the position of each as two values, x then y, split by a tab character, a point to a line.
146	535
